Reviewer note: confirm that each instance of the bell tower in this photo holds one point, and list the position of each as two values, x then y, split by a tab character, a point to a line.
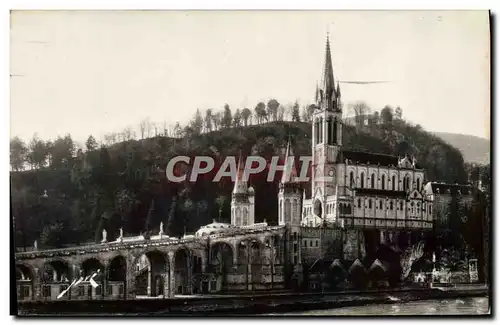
327	132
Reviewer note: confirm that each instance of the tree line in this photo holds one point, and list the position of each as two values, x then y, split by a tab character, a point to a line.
121	184
38	153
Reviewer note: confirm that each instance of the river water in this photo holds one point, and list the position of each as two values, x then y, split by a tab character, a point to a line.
460	306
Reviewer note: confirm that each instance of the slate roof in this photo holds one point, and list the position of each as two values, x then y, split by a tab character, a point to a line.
361	157
319	266
377	192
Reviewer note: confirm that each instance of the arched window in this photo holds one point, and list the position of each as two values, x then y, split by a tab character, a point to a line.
238	217
281	210
381	205
369	203
393	182
418	184
430	208
359	203
406	183
329	130
287	211
373	180
316	128
320	130
383	182
401	205
334	131
245	217
295	213
391	205
351	179
362	180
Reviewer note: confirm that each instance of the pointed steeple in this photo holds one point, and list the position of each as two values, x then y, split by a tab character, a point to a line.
316	94
328	82
240	185
289	171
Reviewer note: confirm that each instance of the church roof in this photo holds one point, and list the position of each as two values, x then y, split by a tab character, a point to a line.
377	192
320	265
214	227
369	158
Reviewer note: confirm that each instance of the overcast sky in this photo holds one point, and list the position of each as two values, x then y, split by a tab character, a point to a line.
87	72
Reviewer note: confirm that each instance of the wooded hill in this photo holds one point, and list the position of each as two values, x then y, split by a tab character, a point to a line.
474	149
124	185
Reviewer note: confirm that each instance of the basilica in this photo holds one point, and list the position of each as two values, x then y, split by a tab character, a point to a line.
355	202
360	213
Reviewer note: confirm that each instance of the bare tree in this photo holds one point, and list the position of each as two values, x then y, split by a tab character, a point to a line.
149	128
142	127
307	112
171	130
208	120
165	131
108	139
361	112
154	128
281	113
217	120
178	131
128	133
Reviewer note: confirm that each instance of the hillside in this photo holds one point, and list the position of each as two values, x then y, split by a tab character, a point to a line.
474	149
125	186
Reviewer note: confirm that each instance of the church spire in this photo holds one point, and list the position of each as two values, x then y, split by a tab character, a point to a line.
240	185
316	94
328	84
289	171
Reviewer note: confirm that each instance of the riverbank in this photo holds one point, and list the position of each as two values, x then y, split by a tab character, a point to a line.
250	304
478	307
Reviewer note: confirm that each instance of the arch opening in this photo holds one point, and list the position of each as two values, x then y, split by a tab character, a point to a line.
318	210
56	271
117	277
181	271
221	260
24	282
150	273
